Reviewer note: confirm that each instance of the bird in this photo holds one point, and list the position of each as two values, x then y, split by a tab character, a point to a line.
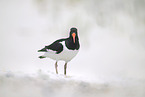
62	49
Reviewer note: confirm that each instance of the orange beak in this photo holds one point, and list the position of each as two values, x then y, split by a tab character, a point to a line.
74	35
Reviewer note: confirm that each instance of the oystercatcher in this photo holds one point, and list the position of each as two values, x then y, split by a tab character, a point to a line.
63	49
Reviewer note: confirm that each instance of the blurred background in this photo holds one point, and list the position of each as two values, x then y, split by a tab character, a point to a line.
112	36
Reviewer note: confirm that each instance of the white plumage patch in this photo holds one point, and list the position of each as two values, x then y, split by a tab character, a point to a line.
66	55
51	51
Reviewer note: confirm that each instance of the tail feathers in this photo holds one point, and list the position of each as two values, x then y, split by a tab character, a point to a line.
41	57
42	50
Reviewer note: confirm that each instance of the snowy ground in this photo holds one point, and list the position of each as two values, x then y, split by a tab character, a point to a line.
52	85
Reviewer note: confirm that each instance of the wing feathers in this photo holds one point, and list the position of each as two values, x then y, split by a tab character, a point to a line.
56	46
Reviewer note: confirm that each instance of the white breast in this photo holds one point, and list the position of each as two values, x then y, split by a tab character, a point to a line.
66	55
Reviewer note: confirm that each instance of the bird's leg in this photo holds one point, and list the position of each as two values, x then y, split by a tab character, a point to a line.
65	66
56	67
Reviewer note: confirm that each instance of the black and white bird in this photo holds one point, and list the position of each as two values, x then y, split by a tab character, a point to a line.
63	49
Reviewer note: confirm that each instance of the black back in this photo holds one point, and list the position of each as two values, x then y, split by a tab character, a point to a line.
58	47
55	46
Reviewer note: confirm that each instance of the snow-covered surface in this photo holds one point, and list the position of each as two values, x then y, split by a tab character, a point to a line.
51	85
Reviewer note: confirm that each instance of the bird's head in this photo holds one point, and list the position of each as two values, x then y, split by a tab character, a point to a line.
73	34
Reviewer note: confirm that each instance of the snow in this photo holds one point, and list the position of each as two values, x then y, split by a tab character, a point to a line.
16	84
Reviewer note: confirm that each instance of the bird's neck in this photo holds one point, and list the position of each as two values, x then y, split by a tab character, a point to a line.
71	45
